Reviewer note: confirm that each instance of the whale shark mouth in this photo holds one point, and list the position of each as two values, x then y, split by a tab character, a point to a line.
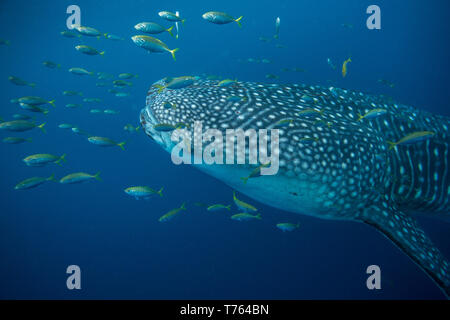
148	120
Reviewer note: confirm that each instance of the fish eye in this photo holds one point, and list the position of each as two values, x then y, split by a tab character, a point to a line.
237	112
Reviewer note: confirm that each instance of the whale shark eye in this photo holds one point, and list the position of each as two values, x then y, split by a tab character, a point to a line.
237	112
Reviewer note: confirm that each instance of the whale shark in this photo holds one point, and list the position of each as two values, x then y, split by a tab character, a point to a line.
334	162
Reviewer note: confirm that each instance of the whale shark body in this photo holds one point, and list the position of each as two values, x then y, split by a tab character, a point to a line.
332	163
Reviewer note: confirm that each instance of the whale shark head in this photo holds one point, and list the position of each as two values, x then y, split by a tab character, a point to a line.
328	163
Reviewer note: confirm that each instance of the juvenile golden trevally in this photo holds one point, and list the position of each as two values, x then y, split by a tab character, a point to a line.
344	67
245	216
105	142
217	17
170	16
142	192
169	215
20	82
41	159
21	125
287	226
413	137
88	31
81	72
153	45
33	182
79	177
152	28
16	140
89	50
36	101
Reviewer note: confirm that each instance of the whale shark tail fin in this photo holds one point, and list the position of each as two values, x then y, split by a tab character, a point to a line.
404	231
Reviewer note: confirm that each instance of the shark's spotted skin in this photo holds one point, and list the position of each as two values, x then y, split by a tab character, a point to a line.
331	165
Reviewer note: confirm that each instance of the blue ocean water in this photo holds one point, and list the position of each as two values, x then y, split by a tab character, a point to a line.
121	248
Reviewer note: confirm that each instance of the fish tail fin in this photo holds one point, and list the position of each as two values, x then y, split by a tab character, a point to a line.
182	21
7	42
97	176
183	206
172	52
404	231
58	65
121	145
228	207
41	126
160	87
234	195
51	178
258	216
102	53
29	139
238	21
244	179
105	35
61	159
52	102
137	128
170	31
391	144
360	117
160	192
45	111
32	84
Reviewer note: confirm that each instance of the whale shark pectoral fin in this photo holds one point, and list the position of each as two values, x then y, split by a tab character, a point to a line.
404	231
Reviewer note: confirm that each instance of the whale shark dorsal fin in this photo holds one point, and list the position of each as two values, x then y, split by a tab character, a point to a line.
404	231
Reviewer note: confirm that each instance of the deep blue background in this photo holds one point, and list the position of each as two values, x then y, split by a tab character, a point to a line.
122	249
